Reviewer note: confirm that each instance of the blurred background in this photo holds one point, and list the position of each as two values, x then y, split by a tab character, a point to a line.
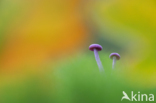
44	55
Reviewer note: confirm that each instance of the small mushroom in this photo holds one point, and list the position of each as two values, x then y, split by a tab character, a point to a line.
114	56
96	48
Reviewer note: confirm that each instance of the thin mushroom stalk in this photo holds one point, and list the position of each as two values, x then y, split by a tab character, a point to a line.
114	62
115	57
98	60
96	48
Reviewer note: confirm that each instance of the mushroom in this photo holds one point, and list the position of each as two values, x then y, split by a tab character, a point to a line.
114	56
96	48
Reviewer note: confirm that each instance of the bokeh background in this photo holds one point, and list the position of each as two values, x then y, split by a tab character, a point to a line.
44	56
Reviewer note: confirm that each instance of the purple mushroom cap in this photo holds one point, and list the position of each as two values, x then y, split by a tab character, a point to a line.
114	54
95	46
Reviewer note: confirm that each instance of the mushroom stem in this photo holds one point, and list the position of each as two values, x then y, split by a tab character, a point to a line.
98	60
114	62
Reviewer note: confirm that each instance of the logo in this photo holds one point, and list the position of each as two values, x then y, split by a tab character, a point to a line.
137	97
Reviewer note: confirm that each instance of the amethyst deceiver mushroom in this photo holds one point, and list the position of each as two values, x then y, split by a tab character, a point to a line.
96	48
114	56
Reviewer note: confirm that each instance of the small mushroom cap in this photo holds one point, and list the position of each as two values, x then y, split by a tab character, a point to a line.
95	46
114	54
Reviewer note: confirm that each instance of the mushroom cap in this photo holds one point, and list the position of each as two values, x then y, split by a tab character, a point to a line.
114	54
95	46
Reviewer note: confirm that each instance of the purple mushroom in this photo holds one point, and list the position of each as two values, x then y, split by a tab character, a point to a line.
114	56
96	48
